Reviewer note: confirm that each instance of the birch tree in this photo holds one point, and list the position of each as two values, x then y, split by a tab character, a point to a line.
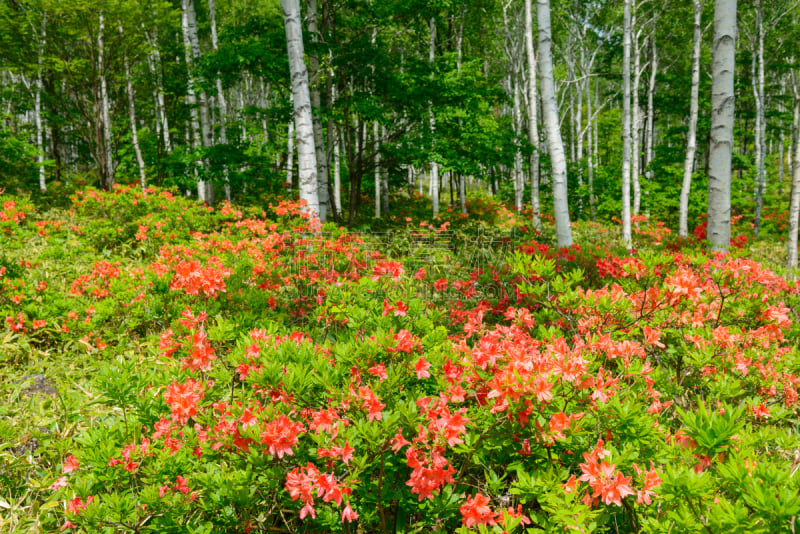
222	104
196	99
107	176
552	128
691	135
316	108
723	55
794	203
132	115
434	183
304	129
626	126
533	119
37	106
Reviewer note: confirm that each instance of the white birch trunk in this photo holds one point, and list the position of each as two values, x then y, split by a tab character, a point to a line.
205	191
761	123
222	104
635	118
650	126
781	163
290	156
722	117
377	172
191	97
109	162
316	108
691	135
161	109
626	127
590	151
794	203
550	113
519	183
533	119
434	183
306	151
37	108
132	116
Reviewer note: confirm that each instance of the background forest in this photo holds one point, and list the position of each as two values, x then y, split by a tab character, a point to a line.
425	97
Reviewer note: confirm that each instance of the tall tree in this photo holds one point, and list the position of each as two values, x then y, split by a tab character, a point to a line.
626	125
306	151
794	203
694	107
552	128
533	119
723	55
316	108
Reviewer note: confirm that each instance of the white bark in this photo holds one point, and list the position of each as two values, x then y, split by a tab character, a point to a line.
222	104
635	118
377	161
132	116
722	117
650	126
306	151
590	149
794	203
205	190
290	156
191	97
37	107
533	119
319	137
154	60
109	162
519	179
550	113
691	135
760	133
434	184
626	126
781	163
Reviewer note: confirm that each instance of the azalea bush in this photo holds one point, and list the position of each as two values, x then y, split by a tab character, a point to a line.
230	370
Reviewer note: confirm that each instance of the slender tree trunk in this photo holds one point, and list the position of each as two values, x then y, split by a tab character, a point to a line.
761	125
37	106
191	95
691	136
132	115
290	156
635	118
519	181
722	117
626	126
205	189
333	141
384	180
316	108
222	105
590	151
651	90
533	119
306	151
161	109
376	147
794	203
104	105
433	163
781	163
550	112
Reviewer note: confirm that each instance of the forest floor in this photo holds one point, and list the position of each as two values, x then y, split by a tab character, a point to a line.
168	367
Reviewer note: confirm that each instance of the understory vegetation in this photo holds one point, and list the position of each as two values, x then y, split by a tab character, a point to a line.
171	367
